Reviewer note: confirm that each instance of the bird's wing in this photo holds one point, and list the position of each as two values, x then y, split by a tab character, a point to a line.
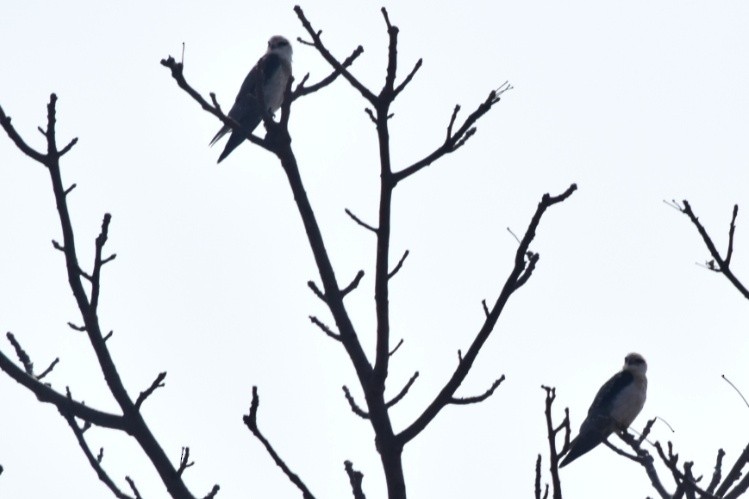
608	393
599	423
246	109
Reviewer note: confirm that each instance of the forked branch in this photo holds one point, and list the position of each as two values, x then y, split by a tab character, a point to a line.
718	264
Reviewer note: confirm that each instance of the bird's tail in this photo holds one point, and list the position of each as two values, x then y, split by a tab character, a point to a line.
582	444
221	133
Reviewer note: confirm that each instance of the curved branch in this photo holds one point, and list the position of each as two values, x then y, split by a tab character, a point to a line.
723	264
250	420
511	285
478	398
337	65
64	404
403	391
354	406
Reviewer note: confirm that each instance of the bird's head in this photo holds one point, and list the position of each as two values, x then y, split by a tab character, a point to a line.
635	362
280	46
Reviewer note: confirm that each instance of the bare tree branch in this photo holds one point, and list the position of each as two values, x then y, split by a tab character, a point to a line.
359	221
403	391
251	421
734	474
157	383
479	398
723	265
46	394
325	329
511	285
184	461
354	406
133	488
337	66
395	349
95	462
49	369
453	141
131	421
647	462
354	283
398	265
301	90
355	478
551	434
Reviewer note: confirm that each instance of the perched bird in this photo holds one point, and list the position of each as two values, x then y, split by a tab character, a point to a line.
274	68
616	405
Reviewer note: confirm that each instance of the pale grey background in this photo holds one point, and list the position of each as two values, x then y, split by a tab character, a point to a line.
636	102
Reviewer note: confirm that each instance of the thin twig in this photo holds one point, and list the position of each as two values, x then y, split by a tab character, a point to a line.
359	221
403	391
251	421
478	398
355	478
157	383
354	406
398	265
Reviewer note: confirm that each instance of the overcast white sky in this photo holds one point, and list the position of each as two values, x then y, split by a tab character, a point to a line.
636	102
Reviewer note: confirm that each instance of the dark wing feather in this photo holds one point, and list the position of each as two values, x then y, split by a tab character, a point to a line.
608	392
246	109
598	425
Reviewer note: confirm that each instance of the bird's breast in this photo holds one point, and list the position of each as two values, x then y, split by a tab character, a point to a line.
275	88
629	403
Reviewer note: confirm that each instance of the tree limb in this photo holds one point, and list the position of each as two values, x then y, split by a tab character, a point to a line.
250	420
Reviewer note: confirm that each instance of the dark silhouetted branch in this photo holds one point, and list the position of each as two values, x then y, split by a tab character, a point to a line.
94	461
157	383
551	435
355	478
408	78
723	265
479	398
453	141
316	290
251	421
23	357
359	221
511	285
184	461
398	265
46	394
49	369
403	391
99	261
354	406
646	461
537	482
301	90
395	349
734	474
717	471
131	421
354	283
133	488
212	493
337	65
324	327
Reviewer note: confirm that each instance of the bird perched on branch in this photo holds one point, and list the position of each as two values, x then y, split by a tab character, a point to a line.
616	405
267	79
